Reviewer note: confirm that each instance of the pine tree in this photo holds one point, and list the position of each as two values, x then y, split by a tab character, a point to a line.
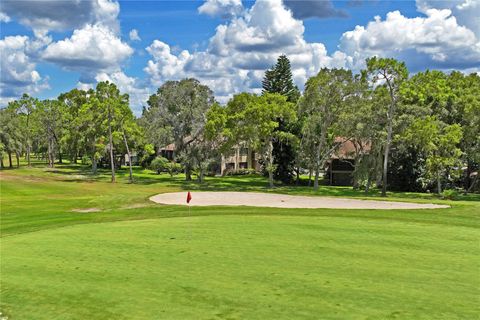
279	79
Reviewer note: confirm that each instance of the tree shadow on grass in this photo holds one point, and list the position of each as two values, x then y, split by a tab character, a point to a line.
252	183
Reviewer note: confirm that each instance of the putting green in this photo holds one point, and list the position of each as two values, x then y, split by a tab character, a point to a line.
243	267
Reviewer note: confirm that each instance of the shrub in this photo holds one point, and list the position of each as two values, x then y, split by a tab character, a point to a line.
86	160
241	172
159	164
450	194
173	168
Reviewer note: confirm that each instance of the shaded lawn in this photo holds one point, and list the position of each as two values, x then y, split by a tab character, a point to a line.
226	262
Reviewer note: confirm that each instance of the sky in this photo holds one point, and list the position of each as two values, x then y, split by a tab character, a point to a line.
52	46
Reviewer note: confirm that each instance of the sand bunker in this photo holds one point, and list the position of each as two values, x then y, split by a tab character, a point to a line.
256	199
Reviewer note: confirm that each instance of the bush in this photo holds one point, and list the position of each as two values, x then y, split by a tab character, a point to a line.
241	172
86	160
449	194
173	168
159	164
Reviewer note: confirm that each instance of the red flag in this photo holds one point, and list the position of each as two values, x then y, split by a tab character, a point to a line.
189	197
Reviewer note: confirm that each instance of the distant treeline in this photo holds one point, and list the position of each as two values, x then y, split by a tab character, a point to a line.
411	133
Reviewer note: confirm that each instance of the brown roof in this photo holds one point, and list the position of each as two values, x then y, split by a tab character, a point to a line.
170	147
347	149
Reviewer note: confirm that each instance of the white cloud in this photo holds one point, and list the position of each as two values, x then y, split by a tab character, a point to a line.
4	17
241	50
48	15
133	35
89	50
18	73
436	40
221	8
467	12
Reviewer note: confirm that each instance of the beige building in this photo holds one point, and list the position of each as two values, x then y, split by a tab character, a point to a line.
239	158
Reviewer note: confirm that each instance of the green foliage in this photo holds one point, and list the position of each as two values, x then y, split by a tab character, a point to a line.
159	164
177	114
450	194
439	143
241	172
173	168
389	74
325	99
279	79
253	120
86	160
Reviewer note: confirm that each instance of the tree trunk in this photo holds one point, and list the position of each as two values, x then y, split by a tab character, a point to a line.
112	164
317	169
17	155
51	157
1	162
130	178
75	152
94	164
201	175
369	182
60	155
10	160
28	154
310	172
472	185
270	164
188	173
387	148
317	160
439	183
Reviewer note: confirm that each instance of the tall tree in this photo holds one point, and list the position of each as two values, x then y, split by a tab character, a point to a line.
11	137
73	102
439	143
114	105
253	120
324	99
50	115
130	133
279	80
177	114
391	74
363	122
466	102
25	107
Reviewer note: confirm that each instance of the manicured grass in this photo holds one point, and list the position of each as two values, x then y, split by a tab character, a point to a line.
137	260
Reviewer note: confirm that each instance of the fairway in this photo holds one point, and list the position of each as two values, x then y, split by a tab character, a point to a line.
133	259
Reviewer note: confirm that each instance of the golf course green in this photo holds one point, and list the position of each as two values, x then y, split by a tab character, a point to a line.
74	246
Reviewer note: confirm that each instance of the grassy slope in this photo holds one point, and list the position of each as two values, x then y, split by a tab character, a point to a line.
253	263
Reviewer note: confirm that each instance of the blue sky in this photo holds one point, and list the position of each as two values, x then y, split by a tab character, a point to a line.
48	47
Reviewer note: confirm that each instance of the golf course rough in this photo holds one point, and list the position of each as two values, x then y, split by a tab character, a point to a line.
257	199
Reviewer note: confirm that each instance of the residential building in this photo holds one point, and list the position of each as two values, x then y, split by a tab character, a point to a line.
240	157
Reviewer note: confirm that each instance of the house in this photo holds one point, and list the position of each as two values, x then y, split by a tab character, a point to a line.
168	151
134	159
240	157
339	168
